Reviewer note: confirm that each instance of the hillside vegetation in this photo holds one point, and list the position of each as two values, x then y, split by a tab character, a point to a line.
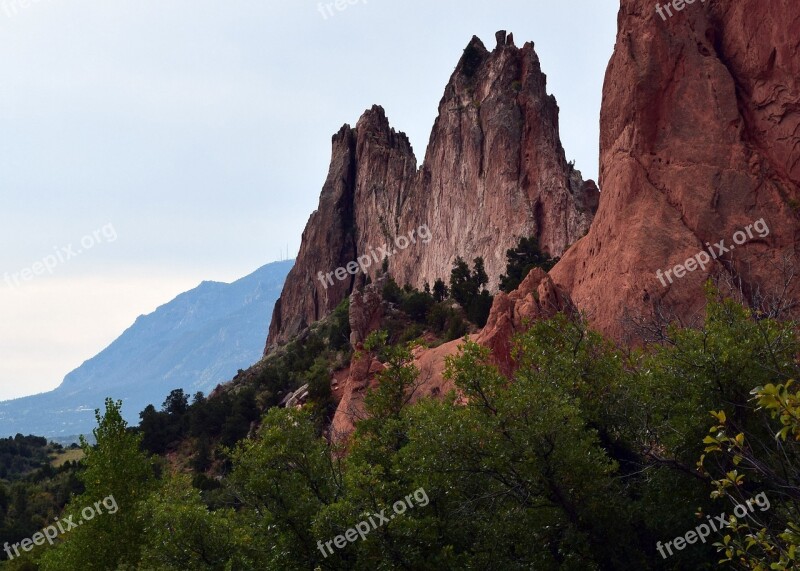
589	457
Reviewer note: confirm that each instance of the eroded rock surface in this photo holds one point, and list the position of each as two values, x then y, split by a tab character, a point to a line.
699	138
494	171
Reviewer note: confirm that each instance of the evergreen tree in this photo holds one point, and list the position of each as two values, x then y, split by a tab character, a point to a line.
467	288
440	291
521	259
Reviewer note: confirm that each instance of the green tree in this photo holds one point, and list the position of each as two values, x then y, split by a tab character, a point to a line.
338	327
154	427
384	404
114	468
521	259
518	478
461	283
176	403
319	389
243	412
467	288
371	480
181	533
283	478
417	305
391	291
749	467
440	291
202	458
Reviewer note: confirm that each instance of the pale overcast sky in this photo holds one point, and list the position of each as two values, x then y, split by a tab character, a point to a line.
196	134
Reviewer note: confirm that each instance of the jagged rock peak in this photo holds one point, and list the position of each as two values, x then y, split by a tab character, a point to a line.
494	171
374	123
504	39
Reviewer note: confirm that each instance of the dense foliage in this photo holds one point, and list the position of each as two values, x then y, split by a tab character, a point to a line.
468	288
521	259
21	455
590	457
33	490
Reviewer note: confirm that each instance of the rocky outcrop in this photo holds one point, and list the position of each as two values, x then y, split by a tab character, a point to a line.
494	171
537	297
367	309
369	163
361	376
700	137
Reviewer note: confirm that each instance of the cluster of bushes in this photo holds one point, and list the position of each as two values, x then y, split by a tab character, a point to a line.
424	313
226	418
32	500
288	368
432	307
21	455
586	460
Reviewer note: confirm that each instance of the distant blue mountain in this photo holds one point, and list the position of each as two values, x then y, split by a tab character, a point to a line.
198	340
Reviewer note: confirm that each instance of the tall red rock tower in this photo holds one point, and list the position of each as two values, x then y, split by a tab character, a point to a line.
494	171
700	138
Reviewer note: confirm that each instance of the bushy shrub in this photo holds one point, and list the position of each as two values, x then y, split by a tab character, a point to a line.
417	305
521	259
391	292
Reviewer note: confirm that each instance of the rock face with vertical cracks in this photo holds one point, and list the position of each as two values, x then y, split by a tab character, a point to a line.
700	137
494	171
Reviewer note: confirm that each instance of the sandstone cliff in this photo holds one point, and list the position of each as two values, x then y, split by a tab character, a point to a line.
494	171
700	137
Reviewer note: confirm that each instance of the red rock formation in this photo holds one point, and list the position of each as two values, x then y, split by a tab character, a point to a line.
369	163
700	137
361	376
367	308
537	297
494	171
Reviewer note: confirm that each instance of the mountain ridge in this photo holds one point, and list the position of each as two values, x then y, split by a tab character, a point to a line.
195	341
